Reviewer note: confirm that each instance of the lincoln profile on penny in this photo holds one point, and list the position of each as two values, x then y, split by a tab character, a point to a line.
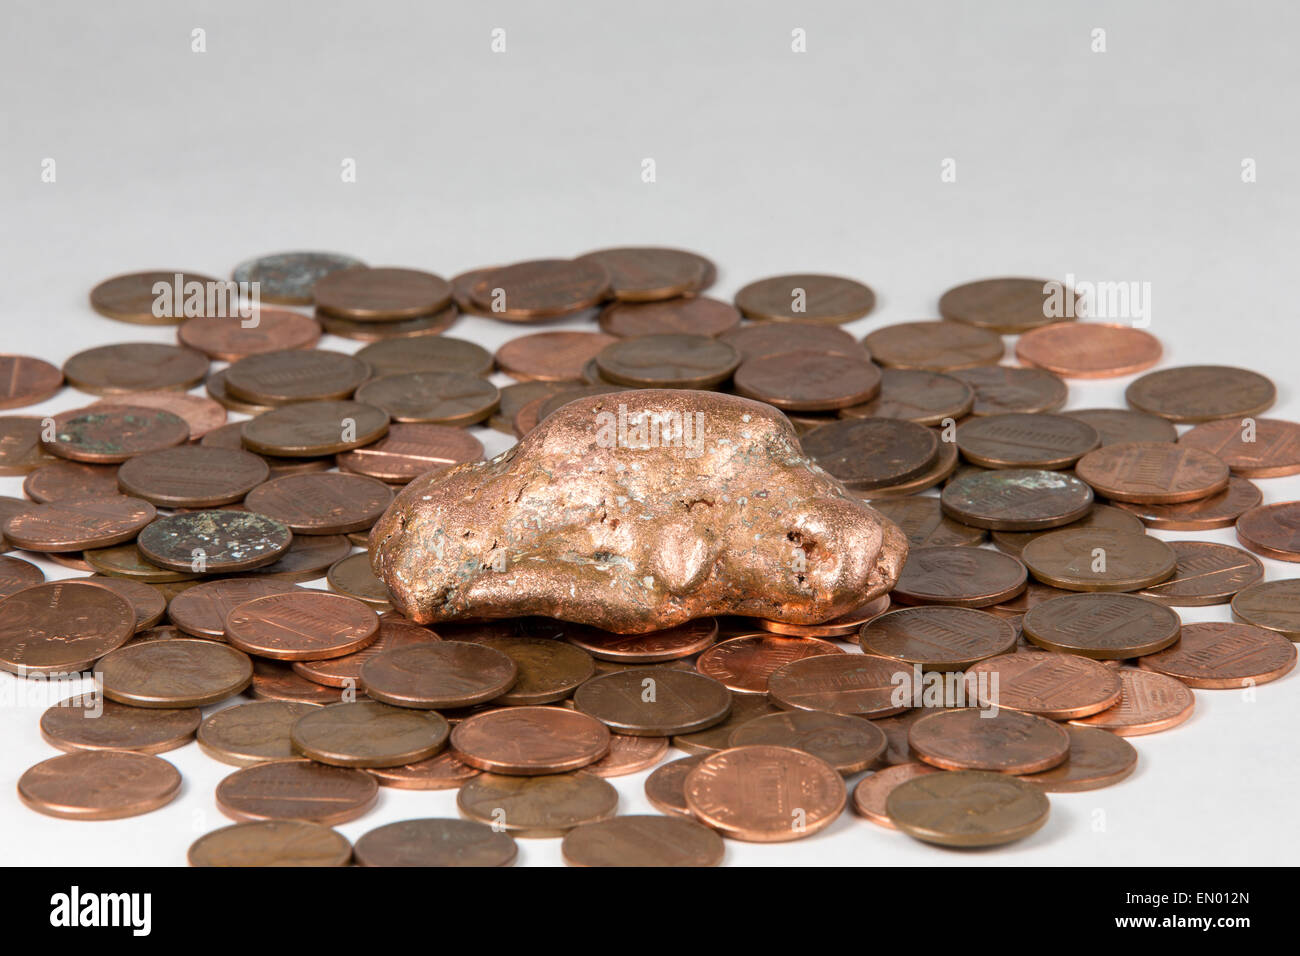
637	536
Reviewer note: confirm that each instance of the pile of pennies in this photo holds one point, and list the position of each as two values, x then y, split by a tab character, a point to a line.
1035	622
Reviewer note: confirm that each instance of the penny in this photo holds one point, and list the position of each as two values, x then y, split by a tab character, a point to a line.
306	429
99	785
248	734
546	406
291	277
126	561
380	294
92	723
869	453
643	841
301	625
1214	655
73	524
1017	499
833	300
968	808
944	465
185	672
442	772
1201	393
202	415
1025	440
1253	448
321	502
62	627
765	794
134	297
275	681
540	289
1056	686
295	375
440	675
759	340
528	741
1102	626
271	843
1121	426
297	790
110	435
967	577
1089	349
628	754
215	385
445	398
422	325
1099	516
807	380
16	574
667	361
213	542
20	445
408	451
551	356
844	627
353	576
651	647
1008	305
938	638
1271	530
1272	605
1008	742
435	843
548	670
897	728
666	787
26	381
135	367
228	339
1219	510
192	476
1148	703
849	744
1002	389
461	287
346	671
696	315
859	685
1099	559
517	396
366	733
1206	573
148	601
654	702
309	556
648	274
717	737
926	398
545	806
1153	472
933	346
437	353
744	664
871	793
70	479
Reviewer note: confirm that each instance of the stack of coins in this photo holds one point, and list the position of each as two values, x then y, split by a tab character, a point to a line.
225	596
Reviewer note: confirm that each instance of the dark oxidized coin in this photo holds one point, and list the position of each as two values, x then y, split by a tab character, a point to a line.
290	277
868	453
214	542
1017	499
109	435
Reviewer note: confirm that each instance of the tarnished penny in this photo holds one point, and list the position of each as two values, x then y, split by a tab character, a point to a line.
1251	447
1002	389
1008	742
1207	573
1219	510
134	297
666	787
271	843
529	741
62	626
967	577
306	429
1201	393
213	542
1272	530
845	627
937	638
1056	686
654	701
540	289
1008	305
545	806
201	414
301	626
744	664
135	367
628	754
346	671
1215	655
1120	426
666	361
1153	472
441	398
380	294
1098	516
765	794
1017	499
297	790
1101	626
1148	703
548	670
1099	559
74	524
295	375
440	675
27	381
408	451
99	785
849	744
859	685
944	465
291	277
801	297
1272	605
926	398
643	841
650	648
1089	349
697	315
649	273
321	502
443	772
436	353
253	733
760	339
869	453
1025	440
107	435
432	842
872	791
16	574
933	346
91	723
228	339
186	672
192	476
967	808
367	733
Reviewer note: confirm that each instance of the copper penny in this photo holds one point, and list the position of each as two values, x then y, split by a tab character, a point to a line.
436	353
648	274
651	647
515	397
938	638
869	453
135	367
109	435
944	465
1219	510
1025	440
1201	393
295	375
1207	573
859	685
346	671
301	626
422	325
271	843
833	300
297	790
202	609
443	772
926	398
528	741
1272	605
967	808
73	524
666	361
70	479
718	737
849	744
697	315
440	675
807	380
540	289
845	627
353	576
1102	626
1089	349
545	806
366	733
1148	703
1272	530
461	287
666	787
1120	426
1253	448
133	297
185	672
442	398
548	670
215	385
554	403
20	445
308	557
758	340
408	451
380	294
147	600
1098	516
1002	389
275	681
306	429
1017	499
744	664
552	356
628	754
126	561
16	574
897	728
229	437
27	381
291	277
933	346
1056	686
643	841
322	502
872	792
1007	305
202	415
213	542
1097	759
435	843
228	339
62	626
1215	655
1099	559
192	476
967	577
92	723
1008	742
99	785
1153	472
765	794
248	734
654	702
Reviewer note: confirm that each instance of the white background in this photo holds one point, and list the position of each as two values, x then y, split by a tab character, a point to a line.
1117	166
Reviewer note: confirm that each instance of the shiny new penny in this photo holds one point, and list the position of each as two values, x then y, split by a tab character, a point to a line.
437	353
666	787
271	843
301	626
628	754
227	339
212	542
382	294
135	298
99	785
1025	440
185	672
1017	499
253	733
92	723
808	380
443	772
321	502
529	741
1253	448
1007	742
367	733
849	744
1089	349
643	841
539	289
967	577
441	398
192	476
744	664
295	375
1207	573
1272	530
1002	389
869	453
408	451
1272	605
968	808
938	638
1201	393
872	792
202	609
346	671
654	701
1153	472
26	381
844	627
831	300
1120	426
933	346
696	315
650	648
432	842
291	277
1215	655
648	273
62	626
307	429
1056	686
1216	511
16	574
548	670
1098	516
108	435
1101	626
74	524
1099	559
544	806
441	675
750	793
859	685
297	790
926	398
135	367
1148	703
1009	306
1097	759
760	339
551	356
